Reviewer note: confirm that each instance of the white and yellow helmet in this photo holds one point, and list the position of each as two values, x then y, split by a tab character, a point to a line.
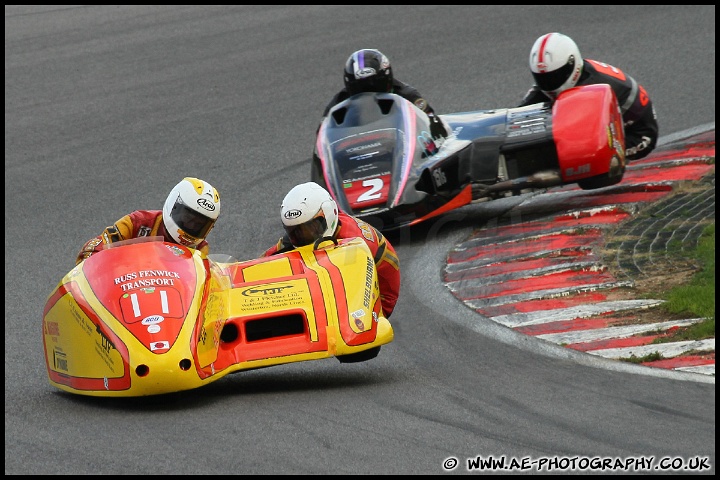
190	211
308	212
555	63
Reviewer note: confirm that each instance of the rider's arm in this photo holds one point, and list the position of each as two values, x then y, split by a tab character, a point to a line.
120	230
384	255
388	268
641	135
410	93
283	245
534	95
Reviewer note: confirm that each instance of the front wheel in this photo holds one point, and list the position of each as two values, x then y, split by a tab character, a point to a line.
363	356
316	173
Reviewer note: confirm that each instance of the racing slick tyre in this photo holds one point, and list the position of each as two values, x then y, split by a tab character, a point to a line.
316	174
599	181
363	356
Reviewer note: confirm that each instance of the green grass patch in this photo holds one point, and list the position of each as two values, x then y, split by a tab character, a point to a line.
697	298
650	357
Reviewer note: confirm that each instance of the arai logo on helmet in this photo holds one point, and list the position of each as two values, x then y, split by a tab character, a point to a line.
206	204
292	214
365	72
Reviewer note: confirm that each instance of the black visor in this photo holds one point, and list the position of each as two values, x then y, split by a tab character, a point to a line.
306	233
190	221
550	81
376	83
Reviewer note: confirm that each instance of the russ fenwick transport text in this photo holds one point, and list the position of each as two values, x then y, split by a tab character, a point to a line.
595	464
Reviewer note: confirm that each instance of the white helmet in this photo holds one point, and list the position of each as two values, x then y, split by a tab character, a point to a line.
308	212
556	63
190	211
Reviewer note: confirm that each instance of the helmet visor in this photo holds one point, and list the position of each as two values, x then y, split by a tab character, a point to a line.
306	233
550	81
191	222
376	83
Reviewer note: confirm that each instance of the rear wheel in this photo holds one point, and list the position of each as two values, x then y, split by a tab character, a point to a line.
363	356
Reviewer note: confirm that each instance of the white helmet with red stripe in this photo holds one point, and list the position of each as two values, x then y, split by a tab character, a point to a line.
556	63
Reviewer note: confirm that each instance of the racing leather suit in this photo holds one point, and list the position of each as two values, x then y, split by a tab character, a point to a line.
638	112
386	260
140	223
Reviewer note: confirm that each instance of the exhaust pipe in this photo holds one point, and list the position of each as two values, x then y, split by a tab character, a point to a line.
544	179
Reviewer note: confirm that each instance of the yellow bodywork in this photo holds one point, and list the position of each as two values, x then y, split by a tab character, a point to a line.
303	305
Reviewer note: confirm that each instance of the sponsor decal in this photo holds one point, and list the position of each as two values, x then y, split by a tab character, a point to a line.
576	74
143	279
152	319
366	230
105	343
93	243
527	122
428	143
144	231
581	169
363	147
153	328
357	316
175	250
347	183
52	328
187	240
440	178
369	270
60	360
265	291
162	345
364	139
364	156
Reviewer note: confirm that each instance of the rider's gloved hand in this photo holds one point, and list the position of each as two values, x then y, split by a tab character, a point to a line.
93	245
437	129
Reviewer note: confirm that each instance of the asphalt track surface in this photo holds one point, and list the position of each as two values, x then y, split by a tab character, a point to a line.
106	107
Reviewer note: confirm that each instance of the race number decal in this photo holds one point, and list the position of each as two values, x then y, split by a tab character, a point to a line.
608	70
151	301
367	192
373	185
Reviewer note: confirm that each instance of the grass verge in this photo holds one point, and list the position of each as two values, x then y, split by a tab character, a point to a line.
697	298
